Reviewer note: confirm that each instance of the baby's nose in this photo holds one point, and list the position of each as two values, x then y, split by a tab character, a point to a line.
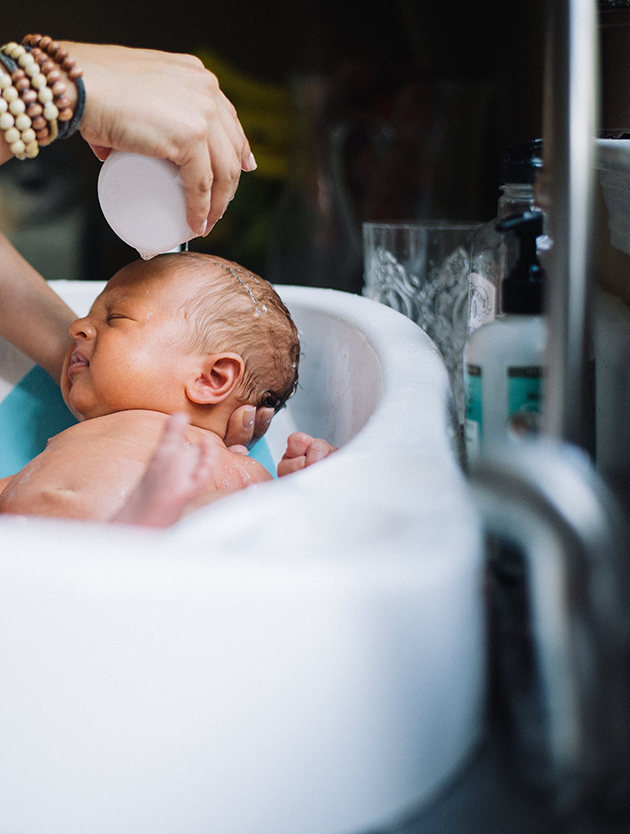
82	329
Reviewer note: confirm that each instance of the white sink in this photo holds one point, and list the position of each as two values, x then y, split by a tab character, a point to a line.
304	657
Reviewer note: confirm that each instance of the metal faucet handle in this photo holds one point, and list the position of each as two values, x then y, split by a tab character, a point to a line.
560	554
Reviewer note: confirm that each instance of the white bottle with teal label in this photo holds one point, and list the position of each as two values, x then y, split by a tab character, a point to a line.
504	360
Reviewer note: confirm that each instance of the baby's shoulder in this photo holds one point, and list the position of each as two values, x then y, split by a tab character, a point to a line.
134	429
231	470
253	472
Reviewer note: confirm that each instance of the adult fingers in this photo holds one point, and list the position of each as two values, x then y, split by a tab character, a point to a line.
261	423
240	428
100	152
210	173
239	449
232	126
213	180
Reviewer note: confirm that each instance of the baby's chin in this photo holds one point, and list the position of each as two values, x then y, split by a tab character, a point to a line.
80	411
77	414
66	392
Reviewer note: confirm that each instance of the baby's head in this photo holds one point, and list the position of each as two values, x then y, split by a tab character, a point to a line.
226	308
144	343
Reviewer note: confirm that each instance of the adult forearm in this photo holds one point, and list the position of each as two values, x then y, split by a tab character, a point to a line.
32	316
5	153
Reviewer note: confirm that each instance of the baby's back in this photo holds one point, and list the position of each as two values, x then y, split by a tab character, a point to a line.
89	470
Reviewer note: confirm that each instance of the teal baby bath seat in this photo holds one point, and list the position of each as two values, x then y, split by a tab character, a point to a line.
302	657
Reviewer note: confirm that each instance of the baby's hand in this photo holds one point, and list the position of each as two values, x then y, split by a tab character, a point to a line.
302	451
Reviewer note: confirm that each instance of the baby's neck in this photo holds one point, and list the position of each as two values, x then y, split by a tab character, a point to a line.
215	419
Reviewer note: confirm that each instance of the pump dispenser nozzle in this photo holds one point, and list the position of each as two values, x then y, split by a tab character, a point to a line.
522	290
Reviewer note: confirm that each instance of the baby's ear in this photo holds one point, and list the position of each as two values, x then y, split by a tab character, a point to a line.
216	379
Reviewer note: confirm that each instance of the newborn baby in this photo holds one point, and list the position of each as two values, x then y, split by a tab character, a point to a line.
183	333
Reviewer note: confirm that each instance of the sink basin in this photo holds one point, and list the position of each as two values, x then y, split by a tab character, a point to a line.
303	657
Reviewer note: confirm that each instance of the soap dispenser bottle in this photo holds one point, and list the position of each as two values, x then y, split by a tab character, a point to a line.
504	359
490	257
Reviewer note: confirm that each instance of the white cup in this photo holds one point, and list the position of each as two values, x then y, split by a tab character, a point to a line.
143	200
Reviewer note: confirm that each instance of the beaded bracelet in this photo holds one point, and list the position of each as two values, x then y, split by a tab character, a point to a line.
34	108
18	132
27	70
29	95
34	76
60	56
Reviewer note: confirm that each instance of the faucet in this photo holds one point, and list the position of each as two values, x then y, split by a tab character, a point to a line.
558	540
559	559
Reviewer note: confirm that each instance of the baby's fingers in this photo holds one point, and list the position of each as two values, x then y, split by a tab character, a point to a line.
318	450
302	451
298	444
289	465
207	460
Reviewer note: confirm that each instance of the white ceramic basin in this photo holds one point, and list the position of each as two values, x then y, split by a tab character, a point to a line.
304	657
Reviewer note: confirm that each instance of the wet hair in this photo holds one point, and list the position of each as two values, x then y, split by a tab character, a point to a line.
234	310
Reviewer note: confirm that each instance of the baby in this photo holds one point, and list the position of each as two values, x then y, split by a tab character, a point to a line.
187	334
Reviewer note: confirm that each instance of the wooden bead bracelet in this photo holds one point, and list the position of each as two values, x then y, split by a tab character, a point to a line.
49	53
29	77
34	92
16	124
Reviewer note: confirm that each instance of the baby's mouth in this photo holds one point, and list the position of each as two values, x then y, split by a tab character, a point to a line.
77	361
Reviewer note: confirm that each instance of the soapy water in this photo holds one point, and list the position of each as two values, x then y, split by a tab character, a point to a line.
437	302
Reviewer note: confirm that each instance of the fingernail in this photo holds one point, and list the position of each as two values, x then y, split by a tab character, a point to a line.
202	228
251	163
248	419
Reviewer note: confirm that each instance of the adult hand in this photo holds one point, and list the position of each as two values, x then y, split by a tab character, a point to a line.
168	106
246	426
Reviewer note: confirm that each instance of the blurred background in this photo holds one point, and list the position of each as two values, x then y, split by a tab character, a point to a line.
397	112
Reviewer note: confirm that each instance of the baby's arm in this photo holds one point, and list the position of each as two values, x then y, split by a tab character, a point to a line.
302	451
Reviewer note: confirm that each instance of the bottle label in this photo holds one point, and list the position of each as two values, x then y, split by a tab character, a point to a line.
524	400
472	423
481	301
